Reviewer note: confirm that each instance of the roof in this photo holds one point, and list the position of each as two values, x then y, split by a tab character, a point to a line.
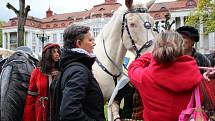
159	10
13	21
174	5
106	9
66	16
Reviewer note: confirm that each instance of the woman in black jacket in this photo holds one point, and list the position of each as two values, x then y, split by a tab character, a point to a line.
82	99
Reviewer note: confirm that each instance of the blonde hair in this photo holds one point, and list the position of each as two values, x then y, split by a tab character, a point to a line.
168	46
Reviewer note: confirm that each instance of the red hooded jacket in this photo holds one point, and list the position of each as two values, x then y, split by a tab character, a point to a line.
165	89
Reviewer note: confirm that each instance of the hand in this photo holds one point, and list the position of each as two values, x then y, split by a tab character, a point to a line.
209	74
118	119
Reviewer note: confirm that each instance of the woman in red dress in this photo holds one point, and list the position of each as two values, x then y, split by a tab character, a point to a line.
41	78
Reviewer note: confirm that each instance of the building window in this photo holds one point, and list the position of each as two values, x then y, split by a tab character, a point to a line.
79	19
54	19
70	18
96	31
61	38
6	39
97	15
63	24
101	9
34	43
191	3
108	14
13	23
48	26
54	38
33	38
13	41
55	25
34	49
163	9
40	48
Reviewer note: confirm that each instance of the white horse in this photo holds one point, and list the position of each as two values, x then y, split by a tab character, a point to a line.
130	28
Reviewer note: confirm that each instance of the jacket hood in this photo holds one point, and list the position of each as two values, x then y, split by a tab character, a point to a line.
180	76
69	56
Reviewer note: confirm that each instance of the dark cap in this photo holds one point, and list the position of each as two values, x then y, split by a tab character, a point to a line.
190	32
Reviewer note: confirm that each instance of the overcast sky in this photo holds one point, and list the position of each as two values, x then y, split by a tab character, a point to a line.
39	7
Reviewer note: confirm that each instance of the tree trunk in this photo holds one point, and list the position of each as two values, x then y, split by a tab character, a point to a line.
21	31
22	16
21	23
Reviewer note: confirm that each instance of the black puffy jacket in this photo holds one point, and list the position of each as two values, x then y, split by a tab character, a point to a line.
82	99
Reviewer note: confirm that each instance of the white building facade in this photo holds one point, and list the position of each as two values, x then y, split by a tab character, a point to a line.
52	27
178	11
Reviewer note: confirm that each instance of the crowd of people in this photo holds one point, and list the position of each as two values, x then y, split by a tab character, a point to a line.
160	87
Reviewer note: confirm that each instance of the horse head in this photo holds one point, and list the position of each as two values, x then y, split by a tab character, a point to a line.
130	28
137	28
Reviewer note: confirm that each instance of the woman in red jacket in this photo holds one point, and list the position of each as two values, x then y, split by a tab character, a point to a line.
41	78
165	78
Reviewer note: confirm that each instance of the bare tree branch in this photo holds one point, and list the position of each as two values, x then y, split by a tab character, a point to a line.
9	6
27	9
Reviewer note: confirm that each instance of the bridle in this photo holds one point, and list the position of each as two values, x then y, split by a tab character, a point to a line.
115	76
147	25
147	44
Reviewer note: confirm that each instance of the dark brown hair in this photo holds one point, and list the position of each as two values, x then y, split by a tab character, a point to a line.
46	63
73	33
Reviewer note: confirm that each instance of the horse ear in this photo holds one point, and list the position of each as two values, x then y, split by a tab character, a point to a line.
150	3
128	3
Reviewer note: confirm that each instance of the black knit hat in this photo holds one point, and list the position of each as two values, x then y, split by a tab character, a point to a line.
190	32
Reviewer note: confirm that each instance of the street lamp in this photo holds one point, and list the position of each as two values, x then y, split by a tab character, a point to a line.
42	37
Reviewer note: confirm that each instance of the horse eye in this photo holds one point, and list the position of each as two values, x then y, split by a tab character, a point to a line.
132	25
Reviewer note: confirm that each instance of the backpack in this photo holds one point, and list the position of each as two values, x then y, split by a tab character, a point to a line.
194	113
14	81
56	93
2	63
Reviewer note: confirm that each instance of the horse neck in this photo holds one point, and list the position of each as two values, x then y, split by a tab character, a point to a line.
116	51
114	47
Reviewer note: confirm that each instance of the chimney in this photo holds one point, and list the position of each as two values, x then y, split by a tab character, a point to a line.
49	13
